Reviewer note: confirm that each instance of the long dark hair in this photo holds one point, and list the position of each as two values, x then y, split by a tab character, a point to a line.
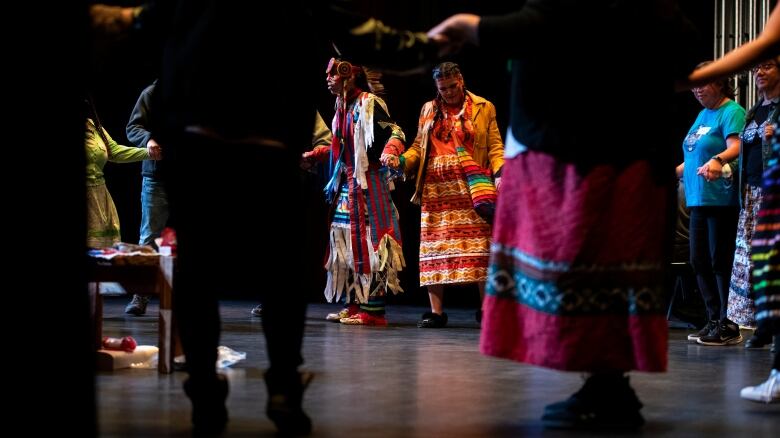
92	113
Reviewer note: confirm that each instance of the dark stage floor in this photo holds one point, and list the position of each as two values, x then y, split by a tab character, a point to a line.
402	381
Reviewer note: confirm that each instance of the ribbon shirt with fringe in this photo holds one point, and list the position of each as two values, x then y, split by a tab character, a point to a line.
365	238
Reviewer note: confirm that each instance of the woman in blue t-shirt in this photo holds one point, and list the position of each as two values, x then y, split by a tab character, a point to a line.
712	142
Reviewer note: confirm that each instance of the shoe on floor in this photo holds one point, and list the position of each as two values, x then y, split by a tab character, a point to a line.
703	332
137	306
346	312
767	392
209	414
758	340
257	310
432	320
285	403
363	318
725	333
603	403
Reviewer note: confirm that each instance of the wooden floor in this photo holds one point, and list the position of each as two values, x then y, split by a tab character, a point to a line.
402	381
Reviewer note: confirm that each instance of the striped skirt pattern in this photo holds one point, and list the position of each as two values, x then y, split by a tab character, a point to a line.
454	239
766	253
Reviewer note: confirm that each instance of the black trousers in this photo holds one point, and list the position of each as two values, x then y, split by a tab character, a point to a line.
713	231
233	205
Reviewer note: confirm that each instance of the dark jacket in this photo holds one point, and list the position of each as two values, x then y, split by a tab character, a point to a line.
766	148
578	93
245	70
139	135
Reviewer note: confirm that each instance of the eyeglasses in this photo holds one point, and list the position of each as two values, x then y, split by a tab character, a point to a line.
763	67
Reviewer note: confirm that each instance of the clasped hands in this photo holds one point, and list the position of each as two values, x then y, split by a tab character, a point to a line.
711	170
154	149
390	160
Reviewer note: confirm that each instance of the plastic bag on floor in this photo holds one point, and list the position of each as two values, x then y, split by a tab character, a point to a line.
226	357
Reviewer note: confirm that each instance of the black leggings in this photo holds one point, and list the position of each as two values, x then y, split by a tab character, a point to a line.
713	232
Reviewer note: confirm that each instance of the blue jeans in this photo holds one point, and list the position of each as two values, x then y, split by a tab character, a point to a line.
154	210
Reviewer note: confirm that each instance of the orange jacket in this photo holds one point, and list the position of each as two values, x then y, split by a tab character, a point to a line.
488	146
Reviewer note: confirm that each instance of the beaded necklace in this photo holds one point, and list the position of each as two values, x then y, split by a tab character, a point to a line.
445	125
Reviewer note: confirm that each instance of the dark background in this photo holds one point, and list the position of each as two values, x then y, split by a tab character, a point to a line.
120	72
48	67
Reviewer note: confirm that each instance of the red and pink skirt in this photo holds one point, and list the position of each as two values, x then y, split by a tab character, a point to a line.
577	267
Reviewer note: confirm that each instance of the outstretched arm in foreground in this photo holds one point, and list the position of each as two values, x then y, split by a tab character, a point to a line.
765	46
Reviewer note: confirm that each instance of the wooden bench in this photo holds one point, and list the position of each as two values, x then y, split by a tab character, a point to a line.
144	275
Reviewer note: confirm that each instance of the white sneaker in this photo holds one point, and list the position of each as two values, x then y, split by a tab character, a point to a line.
767	392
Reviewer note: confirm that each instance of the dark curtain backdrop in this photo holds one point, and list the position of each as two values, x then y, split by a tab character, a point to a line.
51	379
120	73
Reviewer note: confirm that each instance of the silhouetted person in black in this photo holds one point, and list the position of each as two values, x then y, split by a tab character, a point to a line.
234	103
575	277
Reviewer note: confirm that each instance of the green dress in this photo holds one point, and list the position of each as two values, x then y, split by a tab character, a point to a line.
102	218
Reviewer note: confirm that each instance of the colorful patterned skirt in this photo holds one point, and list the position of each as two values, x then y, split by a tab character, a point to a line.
102	218
454	239
766	254
741	308
577	264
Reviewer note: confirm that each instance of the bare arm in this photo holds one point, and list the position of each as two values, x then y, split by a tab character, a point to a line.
522	27
765	46
456	31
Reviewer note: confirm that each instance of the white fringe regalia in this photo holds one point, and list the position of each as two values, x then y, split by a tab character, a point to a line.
386	259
